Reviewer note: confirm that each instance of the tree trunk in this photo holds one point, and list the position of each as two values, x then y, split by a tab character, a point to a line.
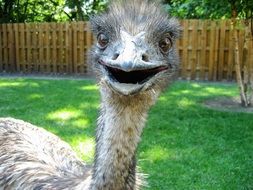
248	67
238	69
243	87
251	87
80	15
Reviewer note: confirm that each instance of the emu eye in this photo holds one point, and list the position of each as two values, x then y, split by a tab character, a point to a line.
103	40
165	44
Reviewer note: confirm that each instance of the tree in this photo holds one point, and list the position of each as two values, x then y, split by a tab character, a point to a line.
244	71
12	11
212	9
197	9
82	9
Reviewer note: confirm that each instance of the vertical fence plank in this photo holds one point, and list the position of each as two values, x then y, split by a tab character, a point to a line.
211	50
41	55
230	54
193	51
61	46
47	40
5	50
1	47
74	38
64	50
203	50
221	49
54	32
68	50
83	68
27	47
225	52
185	49
59	63
89	40
10	66
65	58
22	51
16	44
36	47
216	51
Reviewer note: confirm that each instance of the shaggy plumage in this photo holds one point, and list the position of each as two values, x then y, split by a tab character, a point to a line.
134	59
32	158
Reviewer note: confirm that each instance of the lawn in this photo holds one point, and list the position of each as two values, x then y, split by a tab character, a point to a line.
184	146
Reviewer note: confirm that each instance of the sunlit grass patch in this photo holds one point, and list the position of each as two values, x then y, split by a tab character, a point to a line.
64	114
89	87
84	148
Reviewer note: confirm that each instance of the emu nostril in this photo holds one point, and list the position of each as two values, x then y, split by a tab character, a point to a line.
144	57
115	56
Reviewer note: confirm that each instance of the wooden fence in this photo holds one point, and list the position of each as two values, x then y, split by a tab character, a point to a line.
45	47
206	49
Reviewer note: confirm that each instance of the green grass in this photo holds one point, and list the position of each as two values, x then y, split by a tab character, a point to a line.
184	145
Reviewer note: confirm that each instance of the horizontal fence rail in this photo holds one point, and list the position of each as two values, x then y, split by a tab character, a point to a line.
206	49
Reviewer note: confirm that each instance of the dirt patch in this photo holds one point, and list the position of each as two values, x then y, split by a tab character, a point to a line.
230	104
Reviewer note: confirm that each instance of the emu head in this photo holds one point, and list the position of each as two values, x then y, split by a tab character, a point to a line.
135	49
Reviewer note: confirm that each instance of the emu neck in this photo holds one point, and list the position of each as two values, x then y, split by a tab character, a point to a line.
119	129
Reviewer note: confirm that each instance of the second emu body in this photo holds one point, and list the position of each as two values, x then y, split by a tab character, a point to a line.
134	60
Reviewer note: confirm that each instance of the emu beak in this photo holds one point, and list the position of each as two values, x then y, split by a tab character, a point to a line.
130	73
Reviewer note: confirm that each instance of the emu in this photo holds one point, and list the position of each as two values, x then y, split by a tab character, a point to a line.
134	59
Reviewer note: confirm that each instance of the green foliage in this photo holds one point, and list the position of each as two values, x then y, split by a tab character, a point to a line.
31	11
48	10
74	10
244	8
199	9
196	9
184	145
208	9
80	10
